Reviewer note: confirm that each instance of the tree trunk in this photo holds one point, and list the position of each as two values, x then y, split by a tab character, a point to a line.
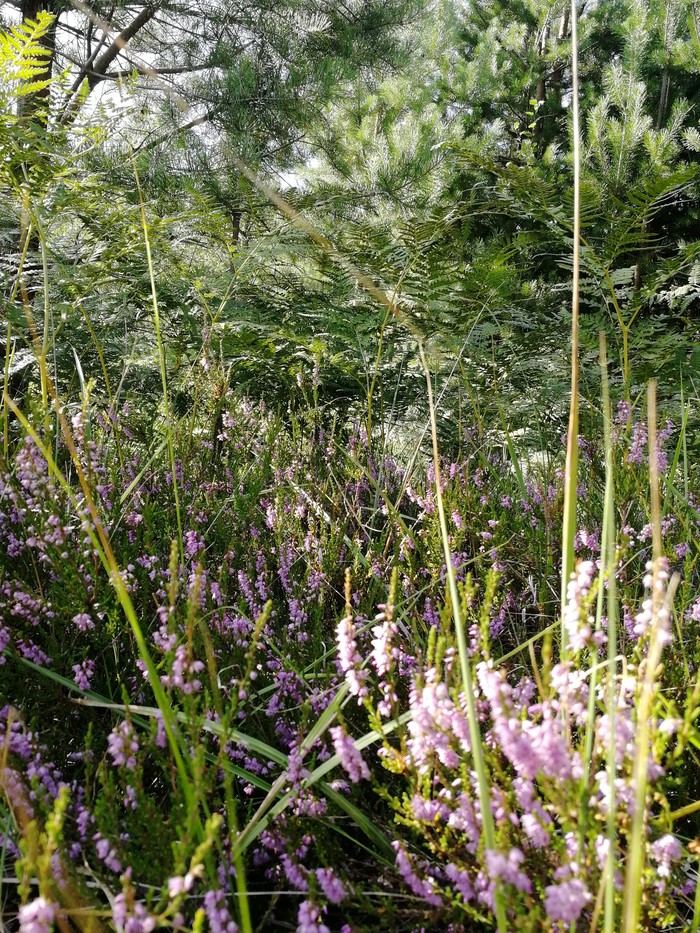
36	106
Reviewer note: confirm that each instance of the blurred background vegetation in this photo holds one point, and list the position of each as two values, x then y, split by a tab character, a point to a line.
427	140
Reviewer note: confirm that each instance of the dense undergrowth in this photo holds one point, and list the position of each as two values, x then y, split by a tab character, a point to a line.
238	698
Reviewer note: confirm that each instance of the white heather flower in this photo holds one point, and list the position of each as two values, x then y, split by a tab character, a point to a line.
349	658
578	628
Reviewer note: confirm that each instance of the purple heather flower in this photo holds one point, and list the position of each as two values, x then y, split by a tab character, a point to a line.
123	745
565	901
693	614
665	850
136	921
639	440
37	916
309	919
217	913
107	853
624	410
461	881
83	674
423	887
331	885
83	622
507	868
350	757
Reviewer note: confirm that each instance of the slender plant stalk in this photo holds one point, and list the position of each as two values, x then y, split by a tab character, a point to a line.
571	474
636	846
6	391
695	926
225	716
609	545
161	359
464	662
607	569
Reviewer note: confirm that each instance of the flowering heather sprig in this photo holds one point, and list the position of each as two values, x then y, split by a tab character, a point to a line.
183	672
384	651
654	578
131	917
123	745
565	902
83	674
664	852
350	757
37	916
180	884
331	885
426	887
107	853
348	656
437	725
693	614
579	628
534	746
635	454
506	868
310	919
217	913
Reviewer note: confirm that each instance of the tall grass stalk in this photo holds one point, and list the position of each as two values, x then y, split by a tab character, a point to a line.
608	546
161	360
605	573
571	474
464	661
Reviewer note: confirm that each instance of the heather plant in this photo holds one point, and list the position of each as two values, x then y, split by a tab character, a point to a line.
302	636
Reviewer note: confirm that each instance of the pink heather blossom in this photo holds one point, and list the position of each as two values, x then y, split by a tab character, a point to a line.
107	853
350	757
217	913
532	746
427	811
564	902
644	619
37	916
536	827
639	441
382	652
